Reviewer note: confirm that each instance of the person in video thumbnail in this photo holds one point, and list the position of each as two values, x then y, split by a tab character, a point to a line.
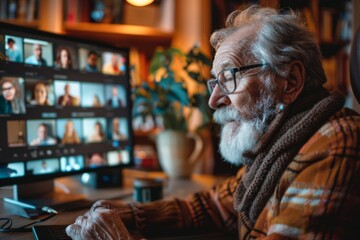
113	67
45	168
98	134
72	164
12	53
40	95
63	58
36	58
96	101
91	62
70	135
11	101
116	135
96	160
43	138
114	101
67	99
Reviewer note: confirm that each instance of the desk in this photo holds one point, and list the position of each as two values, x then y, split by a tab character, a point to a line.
173	188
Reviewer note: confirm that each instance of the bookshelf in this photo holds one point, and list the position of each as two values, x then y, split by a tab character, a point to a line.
71	17
330	21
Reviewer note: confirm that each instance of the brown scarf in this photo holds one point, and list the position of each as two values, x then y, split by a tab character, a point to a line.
287	133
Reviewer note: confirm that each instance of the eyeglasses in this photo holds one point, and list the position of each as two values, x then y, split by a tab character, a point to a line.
7	89
227	78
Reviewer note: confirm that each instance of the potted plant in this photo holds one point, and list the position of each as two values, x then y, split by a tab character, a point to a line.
176	91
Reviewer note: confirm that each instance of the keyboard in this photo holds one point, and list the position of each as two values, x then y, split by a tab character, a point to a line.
57	232
50	232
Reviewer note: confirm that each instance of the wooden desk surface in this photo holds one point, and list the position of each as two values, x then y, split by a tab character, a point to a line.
173	188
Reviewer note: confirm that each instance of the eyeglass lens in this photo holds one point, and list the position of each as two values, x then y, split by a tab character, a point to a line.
227	80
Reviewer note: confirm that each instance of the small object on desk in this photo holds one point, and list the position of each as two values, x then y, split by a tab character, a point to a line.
148	189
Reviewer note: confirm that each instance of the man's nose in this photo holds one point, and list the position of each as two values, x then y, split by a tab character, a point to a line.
218	98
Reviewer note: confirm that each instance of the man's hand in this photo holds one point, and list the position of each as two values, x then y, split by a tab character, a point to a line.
99	223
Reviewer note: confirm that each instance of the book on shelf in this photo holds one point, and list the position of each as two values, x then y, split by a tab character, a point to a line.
310	20
327	32
32	12
72	11
3	9
12	9
22	10
330	69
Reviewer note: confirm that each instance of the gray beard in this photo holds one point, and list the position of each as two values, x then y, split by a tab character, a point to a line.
238	135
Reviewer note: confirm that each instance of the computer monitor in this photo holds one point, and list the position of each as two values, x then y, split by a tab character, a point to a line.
64	106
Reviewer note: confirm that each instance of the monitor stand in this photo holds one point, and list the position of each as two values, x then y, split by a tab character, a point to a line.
37	195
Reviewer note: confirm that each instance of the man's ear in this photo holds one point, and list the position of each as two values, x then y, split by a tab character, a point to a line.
294	83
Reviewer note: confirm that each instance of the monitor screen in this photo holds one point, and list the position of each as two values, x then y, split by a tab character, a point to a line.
64	106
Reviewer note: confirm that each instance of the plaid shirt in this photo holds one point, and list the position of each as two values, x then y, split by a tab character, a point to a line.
317	197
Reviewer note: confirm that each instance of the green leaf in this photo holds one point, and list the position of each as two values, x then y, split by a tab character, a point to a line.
157	61
179	93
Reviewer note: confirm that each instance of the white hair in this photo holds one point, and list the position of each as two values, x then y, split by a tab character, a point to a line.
278	39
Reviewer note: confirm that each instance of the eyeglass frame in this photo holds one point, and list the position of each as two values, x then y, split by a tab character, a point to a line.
233	71
7	89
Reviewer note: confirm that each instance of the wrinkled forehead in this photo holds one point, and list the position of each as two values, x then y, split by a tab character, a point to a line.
232	50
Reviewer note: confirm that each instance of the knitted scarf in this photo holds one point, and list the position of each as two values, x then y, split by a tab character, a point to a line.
286	134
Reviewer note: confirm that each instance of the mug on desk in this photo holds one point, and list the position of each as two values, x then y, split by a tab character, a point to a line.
178	152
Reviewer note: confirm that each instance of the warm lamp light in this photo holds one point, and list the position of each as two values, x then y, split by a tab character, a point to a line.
140	3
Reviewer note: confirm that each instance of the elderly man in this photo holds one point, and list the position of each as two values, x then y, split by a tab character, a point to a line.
36	58
298	148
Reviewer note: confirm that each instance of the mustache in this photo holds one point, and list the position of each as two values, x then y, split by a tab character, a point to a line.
226	114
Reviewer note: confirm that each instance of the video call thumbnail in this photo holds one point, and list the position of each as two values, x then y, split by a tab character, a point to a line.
65	57
116	96
41	132
39	92
113	63
14	49
90	60
67	93
71	163
15	169
43	166
94	130
38	52
94	160
93	95
16	133
118	157
117	129
12	95
69	131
